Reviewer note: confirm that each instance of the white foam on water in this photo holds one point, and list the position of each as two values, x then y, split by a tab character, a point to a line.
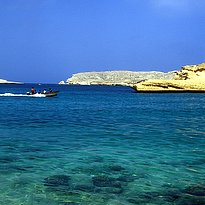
22	95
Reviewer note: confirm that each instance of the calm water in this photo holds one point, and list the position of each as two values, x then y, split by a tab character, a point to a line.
101	146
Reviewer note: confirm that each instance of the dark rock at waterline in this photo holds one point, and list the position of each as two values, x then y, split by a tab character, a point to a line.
196	190
116	168
57	180
105	181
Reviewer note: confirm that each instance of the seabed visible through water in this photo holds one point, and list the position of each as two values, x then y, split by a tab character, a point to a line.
102	145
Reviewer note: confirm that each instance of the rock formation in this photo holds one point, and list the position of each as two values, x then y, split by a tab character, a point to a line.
191	72
126	78
190	78
8	82
62	82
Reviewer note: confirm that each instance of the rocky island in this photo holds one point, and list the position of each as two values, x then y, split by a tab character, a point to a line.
125	78
8	82
190	78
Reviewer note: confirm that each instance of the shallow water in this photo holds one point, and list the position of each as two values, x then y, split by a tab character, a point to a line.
101	145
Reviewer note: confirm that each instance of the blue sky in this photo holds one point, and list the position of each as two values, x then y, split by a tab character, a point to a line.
49	40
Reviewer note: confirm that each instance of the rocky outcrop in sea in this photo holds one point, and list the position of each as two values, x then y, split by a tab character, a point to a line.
125	78
190	78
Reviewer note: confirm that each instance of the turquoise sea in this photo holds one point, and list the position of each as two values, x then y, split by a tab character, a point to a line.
100	145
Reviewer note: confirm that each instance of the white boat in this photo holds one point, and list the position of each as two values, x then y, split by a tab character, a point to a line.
47	94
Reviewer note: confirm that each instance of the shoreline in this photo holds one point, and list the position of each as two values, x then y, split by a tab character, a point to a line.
169	91
189	79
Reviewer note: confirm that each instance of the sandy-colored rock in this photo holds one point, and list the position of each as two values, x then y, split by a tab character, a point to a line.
191	72
170	86
188	79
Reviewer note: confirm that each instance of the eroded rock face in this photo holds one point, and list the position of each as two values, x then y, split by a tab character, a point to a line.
188	79
191	72
171	86
125	78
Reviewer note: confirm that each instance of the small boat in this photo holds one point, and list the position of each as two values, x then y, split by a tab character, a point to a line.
51	94
47	94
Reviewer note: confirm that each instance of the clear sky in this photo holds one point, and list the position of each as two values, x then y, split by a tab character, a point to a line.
49	40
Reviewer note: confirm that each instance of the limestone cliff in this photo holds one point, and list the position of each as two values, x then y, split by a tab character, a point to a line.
191	72
190	78
126	78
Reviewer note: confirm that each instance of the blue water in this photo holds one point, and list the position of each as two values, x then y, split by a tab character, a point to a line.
99	145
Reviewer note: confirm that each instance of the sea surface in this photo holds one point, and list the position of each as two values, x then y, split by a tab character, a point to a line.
100	145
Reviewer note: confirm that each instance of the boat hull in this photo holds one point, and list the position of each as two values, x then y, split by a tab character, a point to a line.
48	94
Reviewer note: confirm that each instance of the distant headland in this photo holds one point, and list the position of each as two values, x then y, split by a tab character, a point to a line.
8	82
125	78
191	78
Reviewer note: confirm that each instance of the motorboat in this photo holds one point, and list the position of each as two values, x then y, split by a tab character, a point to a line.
46	94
